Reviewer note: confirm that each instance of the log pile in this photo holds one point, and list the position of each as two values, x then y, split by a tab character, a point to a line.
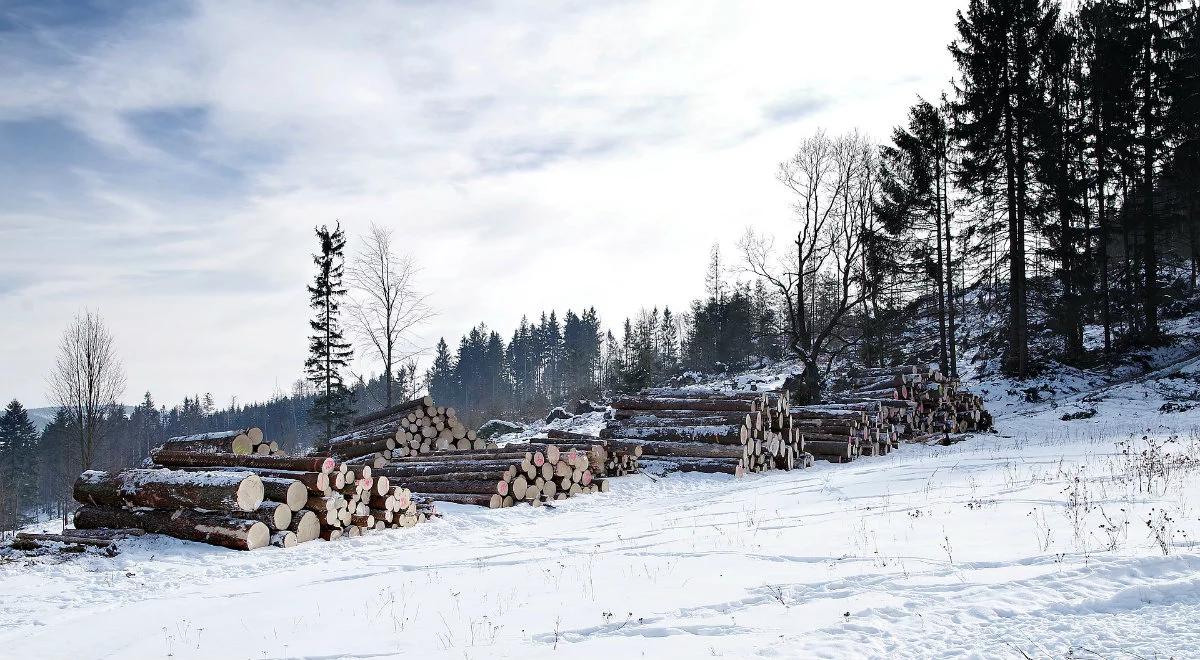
238	441
920	399
209	488
407	429
498	477
344	499
883	407
608	458
709	431
212	506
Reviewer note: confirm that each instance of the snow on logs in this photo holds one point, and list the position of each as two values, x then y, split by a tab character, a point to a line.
708	430
239	441
212	528
920	401
406	429
498	477
169	489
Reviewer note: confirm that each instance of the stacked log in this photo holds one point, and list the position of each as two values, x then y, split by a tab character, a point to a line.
242	442
921	400
407	429
339	496
212	506
497	477
607	458
709	430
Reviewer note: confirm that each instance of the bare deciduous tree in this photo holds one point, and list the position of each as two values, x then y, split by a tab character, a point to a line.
386	307
87	378
816	279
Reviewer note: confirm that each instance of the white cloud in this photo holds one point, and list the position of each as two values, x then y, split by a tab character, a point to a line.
531	155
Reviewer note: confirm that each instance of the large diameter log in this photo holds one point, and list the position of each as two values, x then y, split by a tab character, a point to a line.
317	483
651	403
394	410
276	515
828	447
171	489
237	441
516	453
306	525
704	393
212	528
459	486
680	418
284	539
691	449
294	463
493	501
396	472
709	465
291	492
721	434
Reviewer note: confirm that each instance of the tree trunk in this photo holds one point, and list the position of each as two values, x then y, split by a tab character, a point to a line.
168	489
211	528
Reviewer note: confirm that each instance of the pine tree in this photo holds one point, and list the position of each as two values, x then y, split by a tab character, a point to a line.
440	377
328	350
997	101
1151	72
1183	122
668	342
18	465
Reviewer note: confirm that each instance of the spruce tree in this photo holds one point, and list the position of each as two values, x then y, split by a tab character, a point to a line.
18	465
328	350
997	101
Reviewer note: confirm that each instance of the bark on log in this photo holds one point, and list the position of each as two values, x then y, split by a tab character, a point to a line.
214	460
648	403
276	515
493	501
691	449
170	489
291	492
486	487
211	528
725	435
237	441
395	410
306	525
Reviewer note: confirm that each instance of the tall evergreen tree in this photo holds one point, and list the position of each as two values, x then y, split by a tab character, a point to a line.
18	465
328	350
996	52
440	377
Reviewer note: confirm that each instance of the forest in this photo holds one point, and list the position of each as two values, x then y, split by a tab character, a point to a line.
1052	189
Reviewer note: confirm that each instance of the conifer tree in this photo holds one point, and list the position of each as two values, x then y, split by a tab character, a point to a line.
328	350
18	465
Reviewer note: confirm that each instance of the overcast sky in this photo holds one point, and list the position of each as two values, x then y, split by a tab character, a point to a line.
166	165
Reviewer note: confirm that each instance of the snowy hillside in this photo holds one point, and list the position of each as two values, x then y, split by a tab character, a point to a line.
1047	539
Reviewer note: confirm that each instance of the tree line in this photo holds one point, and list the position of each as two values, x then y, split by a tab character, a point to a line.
551	362
1053	186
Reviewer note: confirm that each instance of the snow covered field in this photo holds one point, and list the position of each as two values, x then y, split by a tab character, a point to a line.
1049	539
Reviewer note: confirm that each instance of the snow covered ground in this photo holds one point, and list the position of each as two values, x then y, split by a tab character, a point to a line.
1049	539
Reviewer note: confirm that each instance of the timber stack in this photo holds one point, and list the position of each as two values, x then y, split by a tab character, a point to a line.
197	488
695	430
242	442
499	476
607	458
407	429
920	399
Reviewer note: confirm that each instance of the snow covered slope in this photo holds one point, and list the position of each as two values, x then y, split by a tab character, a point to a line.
1048	539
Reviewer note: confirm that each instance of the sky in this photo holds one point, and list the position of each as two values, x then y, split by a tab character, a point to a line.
165	164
